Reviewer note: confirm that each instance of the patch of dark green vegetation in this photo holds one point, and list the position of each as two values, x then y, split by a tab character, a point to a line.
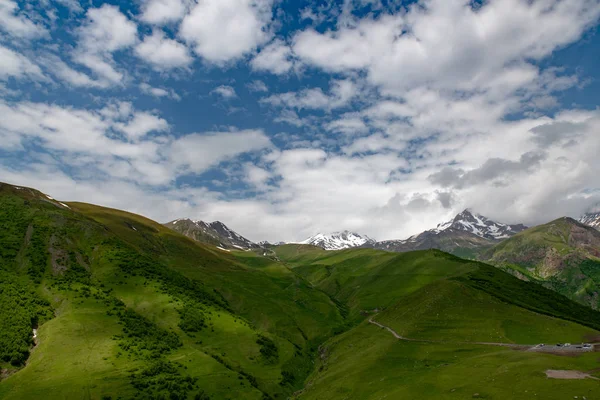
140	334
13	226
268	349
37	253
143	339
21	310
192	318
591	268
529	296
295	370
162	380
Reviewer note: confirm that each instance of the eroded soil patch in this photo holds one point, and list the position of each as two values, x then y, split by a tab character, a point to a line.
567	374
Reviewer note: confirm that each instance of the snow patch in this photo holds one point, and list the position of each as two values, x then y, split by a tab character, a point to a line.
338	240
591	219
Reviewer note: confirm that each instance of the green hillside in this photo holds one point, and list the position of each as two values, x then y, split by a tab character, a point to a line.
366	279
128	308
369	363
123	307
563	255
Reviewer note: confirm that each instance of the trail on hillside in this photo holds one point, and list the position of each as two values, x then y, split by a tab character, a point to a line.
529	347
400	337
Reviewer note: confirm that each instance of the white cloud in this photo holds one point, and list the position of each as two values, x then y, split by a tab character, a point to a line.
71	76
348	125
257	176
227	92
15	65
448	44
197	152
159	92
16	24
341	93
290	117
72	5
163	53
275	58
160	12
257	86
106	30
141	124
225	30
90	141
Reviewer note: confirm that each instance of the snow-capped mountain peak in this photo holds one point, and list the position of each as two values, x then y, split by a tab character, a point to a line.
215	233
338	240
591	219
480	226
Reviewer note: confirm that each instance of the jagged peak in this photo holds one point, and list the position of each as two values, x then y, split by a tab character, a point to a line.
479	225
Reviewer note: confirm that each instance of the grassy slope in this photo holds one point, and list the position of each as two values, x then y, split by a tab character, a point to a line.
366	279
452	311
439	297
368	363
562	255
78	352
258	288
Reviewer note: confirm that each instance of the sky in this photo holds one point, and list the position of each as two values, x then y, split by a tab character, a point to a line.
287	118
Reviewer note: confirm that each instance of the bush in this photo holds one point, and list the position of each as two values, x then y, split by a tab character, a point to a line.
268	349
192	318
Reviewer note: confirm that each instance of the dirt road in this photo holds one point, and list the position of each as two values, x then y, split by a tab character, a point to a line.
545	349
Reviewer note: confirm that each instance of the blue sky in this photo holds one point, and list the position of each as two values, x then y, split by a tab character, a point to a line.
286	118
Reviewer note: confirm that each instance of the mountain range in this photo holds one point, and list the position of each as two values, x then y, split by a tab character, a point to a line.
466	234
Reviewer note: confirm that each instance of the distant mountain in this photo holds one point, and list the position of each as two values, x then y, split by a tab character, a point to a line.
564	255
467	234
213	233
591	219
339	240
480	226
266	243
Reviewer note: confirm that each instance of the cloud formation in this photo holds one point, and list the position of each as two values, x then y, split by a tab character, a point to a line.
163	53
224	30
379	117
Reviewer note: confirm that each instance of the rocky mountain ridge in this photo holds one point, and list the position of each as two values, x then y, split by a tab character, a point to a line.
214	233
